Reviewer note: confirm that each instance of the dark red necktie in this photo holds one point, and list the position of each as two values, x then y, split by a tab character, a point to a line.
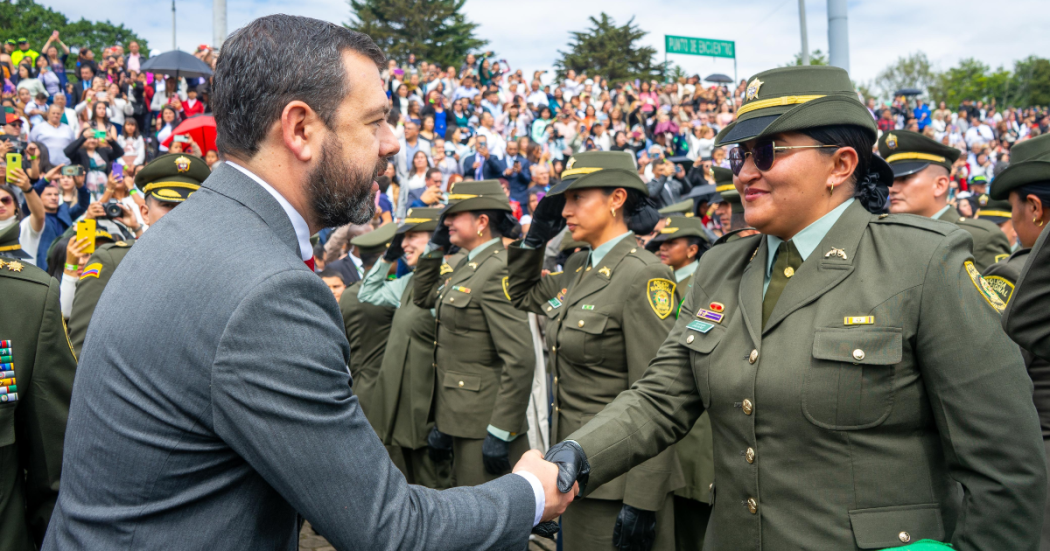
309	263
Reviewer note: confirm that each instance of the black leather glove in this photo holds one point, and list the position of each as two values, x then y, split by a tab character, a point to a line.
572	465
394	251
546	221
495	454
440	237
439	446
635	529
547	529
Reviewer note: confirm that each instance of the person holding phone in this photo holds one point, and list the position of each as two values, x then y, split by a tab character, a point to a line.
95	152
56	215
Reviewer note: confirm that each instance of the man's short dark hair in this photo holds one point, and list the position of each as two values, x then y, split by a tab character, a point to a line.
275	60
431	172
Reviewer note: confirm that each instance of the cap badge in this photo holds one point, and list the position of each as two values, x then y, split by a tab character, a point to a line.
571	162
752	89
891	141
983	200
182	164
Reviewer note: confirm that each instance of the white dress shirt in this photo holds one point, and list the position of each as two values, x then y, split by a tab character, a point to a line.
302	231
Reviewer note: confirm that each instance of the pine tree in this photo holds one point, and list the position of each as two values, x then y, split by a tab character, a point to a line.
435	30
609	50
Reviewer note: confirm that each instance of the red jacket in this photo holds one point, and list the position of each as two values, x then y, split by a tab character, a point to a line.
196	109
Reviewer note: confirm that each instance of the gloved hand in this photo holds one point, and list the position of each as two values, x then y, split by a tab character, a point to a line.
495	454
572	465
439	446
548	529
394	251
635	529
546	221
440	238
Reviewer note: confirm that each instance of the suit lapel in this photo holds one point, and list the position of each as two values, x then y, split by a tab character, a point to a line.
599	276
825	268
236	185
750	291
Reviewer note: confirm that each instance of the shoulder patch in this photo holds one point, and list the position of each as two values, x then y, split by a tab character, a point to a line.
91	270
1001	257
445	268
1002	287
984	288
506	286
660	292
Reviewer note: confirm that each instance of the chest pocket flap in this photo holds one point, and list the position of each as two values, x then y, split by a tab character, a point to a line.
457	298
874	346
704	338
588	321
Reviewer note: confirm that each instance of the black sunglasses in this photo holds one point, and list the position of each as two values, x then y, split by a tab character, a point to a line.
764	153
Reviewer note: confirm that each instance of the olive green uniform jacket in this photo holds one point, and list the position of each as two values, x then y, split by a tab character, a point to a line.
33	425
695	451
990	244
833	433
1027	317
367	329
105	259
483	352
605	324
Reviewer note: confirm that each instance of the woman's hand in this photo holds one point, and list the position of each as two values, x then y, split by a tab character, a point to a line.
76	254
21	180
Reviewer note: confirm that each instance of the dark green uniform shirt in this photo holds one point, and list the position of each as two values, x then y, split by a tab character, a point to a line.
367	330
990	244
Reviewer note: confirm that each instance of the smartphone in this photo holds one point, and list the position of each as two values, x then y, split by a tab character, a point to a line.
118	171
100	134
75	170
181	138
14	162
86	229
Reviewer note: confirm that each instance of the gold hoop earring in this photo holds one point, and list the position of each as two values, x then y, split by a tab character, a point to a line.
1038	222
831	190
613	211
479	233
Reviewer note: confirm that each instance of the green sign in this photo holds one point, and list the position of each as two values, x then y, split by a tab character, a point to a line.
699	46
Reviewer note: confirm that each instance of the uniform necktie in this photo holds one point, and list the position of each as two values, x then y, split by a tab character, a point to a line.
788	260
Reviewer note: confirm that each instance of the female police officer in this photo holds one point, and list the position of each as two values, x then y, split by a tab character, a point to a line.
860	392
609	311
483	350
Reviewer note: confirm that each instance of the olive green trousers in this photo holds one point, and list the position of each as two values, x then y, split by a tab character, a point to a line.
419	469
467	467
690	523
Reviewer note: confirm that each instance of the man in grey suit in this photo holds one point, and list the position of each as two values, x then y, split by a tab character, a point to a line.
212	406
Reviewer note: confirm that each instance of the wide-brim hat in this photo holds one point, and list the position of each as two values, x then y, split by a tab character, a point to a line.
908	152
1029	164
173	177
730	195
376	240
600	169
994	210
420	219
678	226
790	99
469	196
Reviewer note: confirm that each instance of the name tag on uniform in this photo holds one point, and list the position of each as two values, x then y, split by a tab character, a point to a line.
710	316
701	326
554	302
859	320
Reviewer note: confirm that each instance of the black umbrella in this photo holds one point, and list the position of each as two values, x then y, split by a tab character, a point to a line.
177	64
719	78
908	92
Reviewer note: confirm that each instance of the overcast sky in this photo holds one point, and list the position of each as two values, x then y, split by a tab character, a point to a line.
529	33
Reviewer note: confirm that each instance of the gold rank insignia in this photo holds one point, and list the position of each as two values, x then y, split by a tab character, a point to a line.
984	288
14	266
2	263
605	272
891	141
473	265
661	296
182	164
835	251
752	89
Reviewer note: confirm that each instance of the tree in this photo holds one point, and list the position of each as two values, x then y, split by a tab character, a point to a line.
815	58
609	50
1030	82
435	30
26	18
913	71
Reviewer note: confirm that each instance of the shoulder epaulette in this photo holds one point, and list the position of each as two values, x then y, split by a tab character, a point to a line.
915	221
725	238
20	269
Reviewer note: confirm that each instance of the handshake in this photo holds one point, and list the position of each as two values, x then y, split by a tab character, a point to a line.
563	472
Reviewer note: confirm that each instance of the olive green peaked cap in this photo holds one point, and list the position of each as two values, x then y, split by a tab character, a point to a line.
993	210
420	219
682	207
172	177
376	240
481	195
678	226
790	99
604	169
1029	163
909	152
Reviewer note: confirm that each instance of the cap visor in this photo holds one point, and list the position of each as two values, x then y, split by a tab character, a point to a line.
907	168
16	253
746	129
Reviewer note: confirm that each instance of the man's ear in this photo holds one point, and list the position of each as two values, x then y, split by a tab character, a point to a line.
299	130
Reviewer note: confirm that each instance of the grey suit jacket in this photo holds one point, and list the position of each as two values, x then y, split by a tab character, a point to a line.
213	403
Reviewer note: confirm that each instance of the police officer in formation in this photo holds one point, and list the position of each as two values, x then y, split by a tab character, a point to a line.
401	399
608	312
860	391
483	353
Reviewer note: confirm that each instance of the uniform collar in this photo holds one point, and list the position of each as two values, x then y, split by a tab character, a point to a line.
808	239
941	212
481	248
600	251
302	230
685	271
